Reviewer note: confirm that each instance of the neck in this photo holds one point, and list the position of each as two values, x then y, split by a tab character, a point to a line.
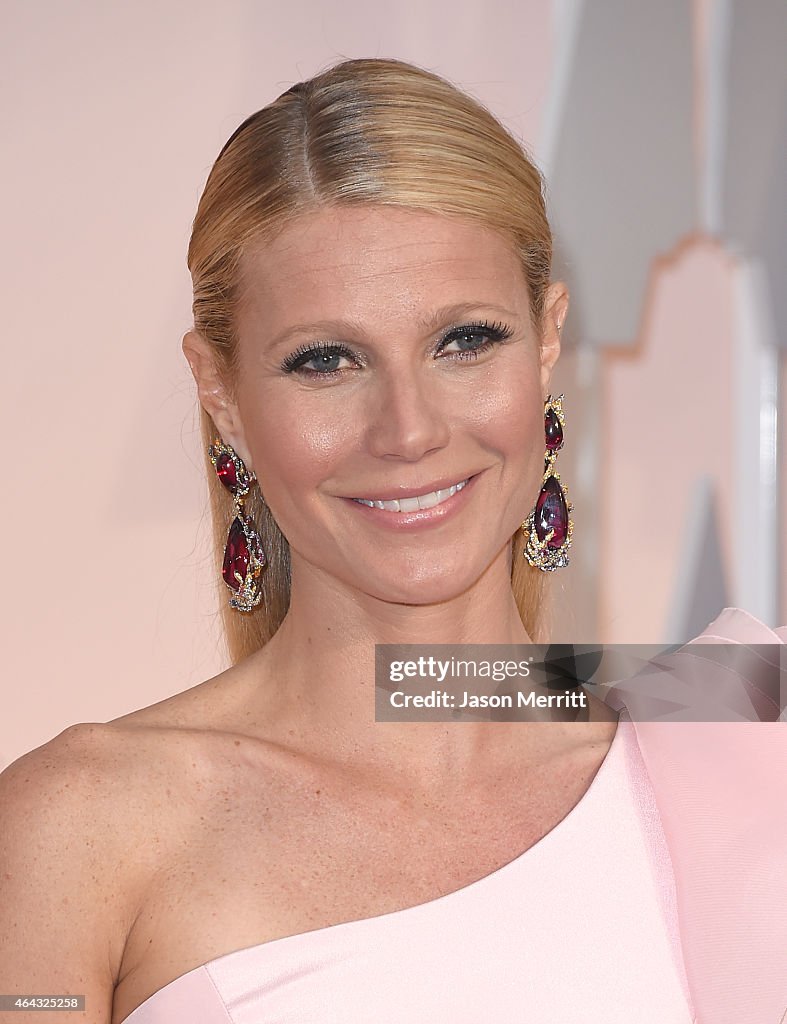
314	682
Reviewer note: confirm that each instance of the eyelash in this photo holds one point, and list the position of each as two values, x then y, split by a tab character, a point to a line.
496	334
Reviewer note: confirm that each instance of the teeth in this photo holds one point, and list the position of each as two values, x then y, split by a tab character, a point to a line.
413	504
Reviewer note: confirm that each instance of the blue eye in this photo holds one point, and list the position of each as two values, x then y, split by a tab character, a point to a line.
324	355
494	333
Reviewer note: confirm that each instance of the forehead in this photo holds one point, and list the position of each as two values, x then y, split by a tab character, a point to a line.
341	260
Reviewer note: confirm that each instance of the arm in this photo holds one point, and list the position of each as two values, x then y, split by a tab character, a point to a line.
65	909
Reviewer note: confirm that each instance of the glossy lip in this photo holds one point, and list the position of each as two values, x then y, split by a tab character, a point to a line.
420	517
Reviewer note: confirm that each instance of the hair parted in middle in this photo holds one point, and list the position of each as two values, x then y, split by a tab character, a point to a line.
364	131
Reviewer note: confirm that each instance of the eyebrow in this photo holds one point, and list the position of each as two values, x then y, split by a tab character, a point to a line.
425	323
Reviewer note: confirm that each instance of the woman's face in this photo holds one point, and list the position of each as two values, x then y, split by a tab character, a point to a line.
355	382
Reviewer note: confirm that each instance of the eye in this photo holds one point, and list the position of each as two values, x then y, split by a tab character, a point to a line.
323	355
326	355
494	333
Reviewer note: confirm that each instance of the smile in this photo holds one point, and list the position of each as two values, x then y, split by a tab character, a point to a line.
414	504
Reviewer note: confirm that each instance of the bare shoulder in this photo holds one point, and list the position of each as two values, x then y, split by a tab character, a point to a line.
65	776
72	796
69	866
87	768
88	820
89	797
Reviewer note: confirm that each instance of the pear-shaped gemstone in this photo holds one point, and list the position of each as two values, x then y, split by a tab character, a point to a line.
236	555
232	473
225	469
553	431
552	513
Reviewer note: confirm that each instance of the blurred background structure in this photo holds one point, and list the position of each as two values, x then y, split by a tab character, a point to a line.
661	131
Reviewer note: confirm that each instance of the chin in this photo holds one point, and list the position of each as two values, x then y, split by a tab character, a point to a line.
419	588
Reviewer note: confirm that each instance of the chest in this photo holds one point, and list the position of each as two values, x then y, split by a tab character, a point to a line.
257	858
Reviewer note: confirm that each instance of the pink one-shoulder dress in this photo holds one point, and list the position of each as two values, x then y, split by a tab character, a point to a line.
584	927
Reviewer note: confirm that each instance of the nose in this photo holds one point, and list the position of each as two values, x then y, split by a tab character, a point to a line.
408	416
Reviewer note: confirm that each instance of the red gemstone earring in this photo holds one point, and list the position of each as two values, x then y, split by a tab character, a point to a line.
549	527
243	554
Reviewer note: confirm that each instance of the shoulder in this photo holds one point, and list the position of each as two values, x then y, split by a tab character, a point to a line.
71	794
88	818
68	867
89	800
60	773
88	761
86	822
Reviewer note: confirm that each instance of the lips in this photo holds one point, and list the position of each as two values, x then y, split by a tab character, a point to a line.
405	515
416	502
396	494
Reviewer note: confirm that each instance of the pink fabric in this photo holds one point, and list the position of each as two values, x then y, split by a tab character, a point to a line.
721	791
557	934
659	899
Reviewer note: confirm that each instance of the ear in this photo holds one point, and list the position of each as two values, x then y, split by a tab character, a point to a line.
555	310
213	394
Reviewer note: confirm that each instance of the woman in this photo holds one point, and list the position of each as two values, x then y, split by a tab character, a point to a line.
374	322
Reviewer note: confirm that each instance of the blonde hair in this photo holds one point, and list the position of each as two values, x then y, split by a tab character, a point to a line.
372	130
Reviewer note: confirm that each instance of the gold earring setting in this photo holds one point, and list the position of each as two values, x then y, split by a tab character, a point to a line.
549	527
243	554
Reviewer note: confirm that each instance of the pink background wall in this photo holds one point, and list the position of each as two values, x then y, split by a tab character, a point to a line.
113	116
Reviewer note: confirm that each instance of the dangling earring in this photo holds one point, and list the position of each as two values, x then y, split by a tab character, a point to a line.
549	527
243	554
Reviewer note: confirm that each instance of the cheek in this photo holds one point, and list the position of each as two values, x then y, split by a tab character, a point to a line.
297	440
510	416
